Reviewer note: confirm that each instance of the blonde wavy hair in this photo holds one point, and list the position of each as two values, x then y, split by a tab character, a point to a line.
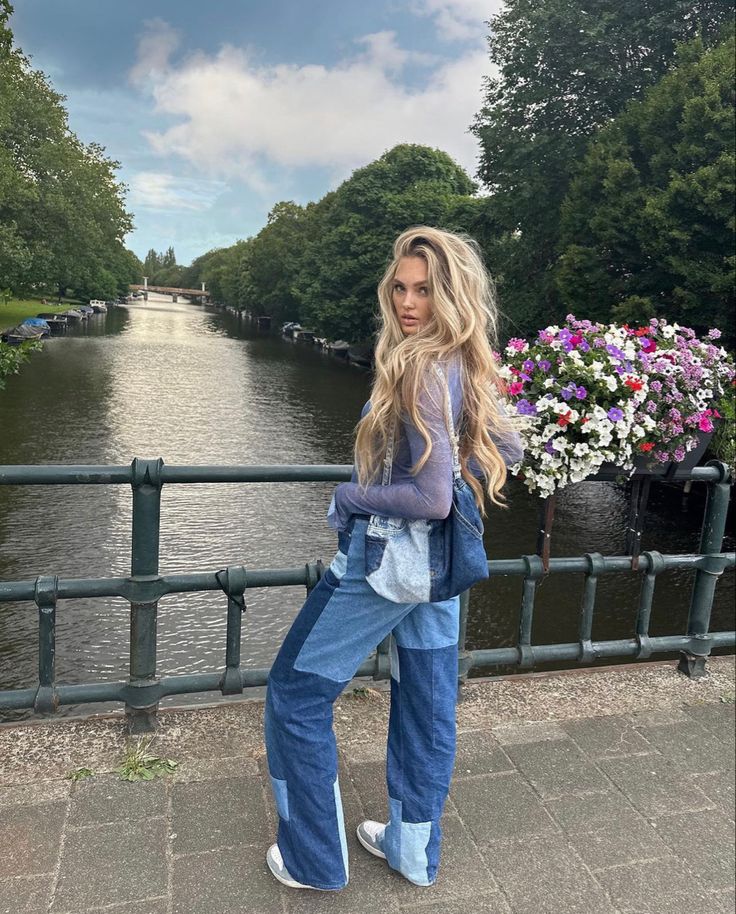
463	320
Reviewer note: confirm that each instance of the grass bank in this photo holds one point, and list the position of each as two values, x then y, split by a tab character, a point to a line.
18	309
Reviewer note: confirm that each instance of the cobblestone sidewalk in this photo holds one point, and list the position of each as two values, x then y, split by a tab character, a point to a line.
604	791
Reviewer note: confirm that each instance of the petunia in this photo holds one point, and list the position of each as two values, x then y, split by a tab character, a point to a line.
615	414
581	393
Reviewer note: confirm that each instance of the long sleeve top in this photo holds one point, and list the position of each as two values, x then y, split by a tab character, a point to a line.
428	494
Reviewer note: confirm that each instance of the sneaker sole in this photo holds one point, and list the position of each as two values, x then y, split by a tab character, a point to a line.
292	884
369	847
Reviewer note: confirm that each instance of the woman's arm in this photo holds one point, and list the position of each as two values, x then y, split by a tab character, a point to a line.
509	447
429	494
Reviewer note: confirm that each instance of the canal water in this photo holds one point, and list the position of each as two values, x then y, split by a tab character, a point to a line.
201	386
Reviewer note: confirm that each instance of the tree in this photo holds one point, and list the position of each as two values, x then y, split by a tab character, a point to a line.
648	225
351	230
62	211
565	70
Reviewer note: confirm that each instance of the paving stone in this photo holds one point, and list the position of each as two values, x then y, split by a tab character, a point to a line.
149	906
663	718
369	781
655	785
33	794
125	861
481	904
694	748
214	769
619	844
694	836
25	894
500	806
593	811
30	838
545	877
227	881
557	768
725	902
719	787
222	813
479	752
719	717
606	736
655	887
536	731
108	798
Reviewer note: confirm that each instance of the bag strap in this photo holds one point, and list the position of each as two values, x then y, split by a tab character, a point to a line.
388	460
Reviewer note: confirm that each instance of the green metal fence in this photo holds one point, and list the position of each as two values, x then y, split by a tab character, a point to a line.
145	586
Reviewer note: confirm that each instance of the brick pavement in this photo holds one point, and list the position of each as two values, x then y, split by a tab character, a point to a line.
622	804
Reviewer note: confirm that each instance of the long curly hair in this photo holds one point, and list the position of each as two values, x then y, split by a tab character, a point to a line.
463	321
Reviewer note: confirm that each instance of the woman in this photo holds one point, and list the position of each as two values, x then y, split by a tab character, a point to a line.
437	308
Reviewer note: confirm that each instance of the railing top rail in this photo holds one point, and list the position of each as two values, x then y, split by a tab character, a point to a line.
157	472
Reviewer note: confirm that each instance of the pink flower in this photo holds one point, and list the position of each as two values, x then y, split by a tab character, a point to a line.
705	425
516	387
516	344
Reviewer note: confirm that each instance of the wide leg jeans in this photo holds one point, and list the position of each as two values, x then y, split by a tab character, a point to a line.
341	622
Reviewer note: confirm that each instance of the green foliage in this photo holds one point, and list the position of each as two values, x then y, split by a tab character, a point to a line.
79	774
564	71
350	232
62	215
12	357
648	225
140	765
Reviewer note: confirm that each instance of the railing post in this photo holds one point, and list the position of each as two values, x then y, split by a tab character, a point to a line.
692	660
146	483
464	660
46	700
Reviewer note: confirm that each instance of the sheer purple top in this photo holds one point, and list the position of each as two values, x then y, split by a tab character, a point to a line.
428	494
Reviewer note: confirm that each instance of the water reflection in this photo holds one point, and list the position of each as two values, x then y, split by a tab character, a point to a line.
198	386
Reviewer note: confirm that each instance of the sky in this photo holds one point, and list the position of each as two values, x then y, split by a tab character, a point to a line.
218	109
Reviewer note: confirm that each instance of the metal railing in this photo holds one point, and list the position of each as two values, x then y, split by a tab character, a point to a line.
145	586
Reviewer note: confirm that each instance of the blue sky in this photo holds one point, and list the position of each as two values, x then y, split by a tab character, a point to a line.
219	109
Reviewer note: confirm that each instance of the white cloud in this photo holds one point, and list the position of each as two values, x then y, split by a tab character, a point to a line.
235	115
459	19
156	190
155	48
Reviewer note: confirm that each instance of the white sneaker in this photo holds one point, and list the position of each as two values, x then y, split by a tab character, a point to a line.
370	835
276	864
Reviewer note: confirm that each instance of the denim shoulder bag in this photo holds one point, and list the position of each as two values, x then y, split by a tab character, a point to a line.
426	561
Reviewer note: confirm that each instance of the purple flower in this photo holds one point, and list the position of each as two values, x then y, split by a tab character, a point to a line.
528	365
566	393
650	406
679	454
599	342
615	414
525	408
714	334
544	364
656	386
567	346
584	346
581	393
549	447
524	377
615	351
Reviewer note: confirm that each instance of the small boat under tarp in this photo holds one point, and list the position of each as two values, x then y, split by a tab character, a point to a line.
72	315
39	323
21	334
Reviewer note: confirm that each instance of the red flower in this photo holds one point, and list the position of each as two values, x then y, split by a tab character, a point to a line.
584	420
646	446
564	419
634	383
641	331
648	345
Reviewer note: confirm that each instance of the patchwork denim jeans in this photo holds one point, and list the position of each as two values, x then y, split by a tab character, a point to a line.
341	622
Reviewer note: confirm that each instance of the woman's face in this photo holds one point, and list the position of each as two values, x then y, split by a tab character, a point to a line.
410	294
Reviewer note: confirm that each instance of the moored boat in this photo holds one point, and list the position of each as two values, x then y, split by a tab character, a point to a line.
304	336
264	322
98	306
57	322
72	315
339	348
37	323
21	334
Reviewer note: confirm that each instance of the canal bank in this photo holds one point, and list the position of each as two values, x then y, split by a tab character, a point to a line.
594	791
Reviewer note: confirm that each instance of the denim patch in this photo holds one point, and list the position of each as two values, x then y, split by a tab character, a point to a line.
397	559
406	843
430	625
341	829
393	656
281	797
338	566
